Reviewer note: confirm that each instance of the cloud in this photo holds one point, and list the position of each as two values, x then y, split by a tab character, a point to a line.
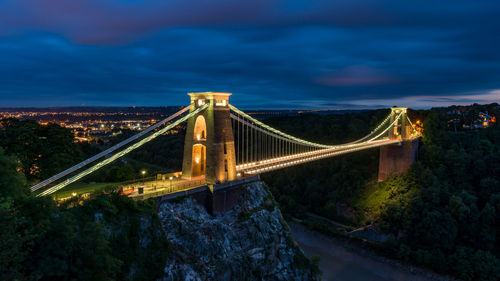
106	22
267	52
427	101
357	75
98	22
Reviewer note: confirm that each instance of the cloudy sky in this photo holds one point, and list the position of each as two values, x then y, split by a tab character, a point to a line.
268	53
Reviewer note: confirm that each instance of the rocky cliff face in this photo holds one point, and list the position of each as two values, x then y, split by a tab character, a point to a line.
249	242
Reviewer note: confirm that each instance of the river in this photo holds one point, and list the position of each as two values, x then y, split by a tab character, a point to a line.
340	263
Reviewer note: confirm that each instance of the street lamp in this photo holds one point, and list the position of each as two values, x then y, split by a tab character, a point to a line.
143	172
170	178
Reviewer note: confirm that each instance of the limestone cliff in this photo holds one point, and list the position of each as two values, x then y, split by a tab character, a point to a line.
249	242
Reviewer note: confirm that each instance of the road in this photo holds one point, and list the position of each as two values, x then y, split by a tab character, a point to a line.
340	263
299	158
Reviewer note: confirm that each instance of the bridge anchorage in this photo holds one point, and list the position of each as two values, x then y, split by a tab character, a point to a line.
225	145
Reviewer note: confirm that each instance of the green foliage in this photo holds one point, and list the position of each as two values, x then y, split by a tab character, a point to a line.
447	204
11	181
81	188
115	172
444	211
245	215
164	151
316	271
318	186
109	238
404	252
42	150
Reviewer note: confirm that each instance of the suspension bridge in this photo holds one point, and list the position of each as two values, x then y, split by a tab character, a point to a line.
224	144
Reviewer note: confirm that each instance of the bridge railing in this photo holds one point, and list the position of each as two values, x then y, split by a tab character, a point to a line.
169	189
117	155
257	147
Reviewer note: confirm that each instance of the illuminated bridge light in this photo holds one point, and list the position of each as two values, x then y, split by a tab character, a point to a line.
288	150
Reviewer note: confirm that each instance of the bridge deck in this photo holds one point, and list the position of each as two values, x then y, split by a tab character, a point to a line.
246	140
163	187
292	160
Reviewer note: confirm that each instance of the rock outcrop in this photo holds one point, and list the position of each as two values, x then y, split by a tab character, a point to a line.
249	242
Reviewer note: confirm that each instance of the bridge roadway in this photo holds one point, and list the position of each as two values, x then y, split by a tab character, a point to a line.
257	140
163	187
295	159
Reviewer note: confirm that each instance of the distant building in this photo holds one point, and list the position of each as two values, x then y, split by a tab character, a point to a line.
484	120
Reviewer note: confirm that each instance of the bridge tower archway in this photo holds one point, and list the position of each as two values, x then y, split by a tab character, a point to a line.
209	143
200	128
198	161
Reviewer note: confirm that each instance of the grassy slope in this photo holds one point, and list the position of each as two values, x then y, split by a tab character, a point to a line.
80	188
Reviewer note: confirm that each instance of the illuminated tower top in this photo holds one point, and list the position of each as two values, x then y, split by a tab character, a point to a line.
218	99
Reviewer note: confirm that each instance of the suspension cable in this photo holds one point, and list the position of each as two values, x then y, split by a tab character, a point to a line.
386	129
374	130
287	136
415	130
121	153
107	151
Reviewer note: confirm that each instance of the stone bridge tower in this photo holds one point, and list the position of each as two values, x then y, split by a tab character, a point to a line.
209	149
397	158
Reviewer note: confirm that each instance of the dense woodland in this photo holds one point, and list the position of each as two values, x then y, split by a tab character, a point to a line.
39	240
444	213
42	151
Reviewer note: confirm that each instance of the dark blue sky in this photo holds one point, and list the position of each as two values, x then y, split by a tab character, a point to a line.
268	53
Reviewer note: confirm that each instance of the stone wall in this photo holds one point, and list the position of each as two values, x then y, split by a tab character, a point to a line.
396	158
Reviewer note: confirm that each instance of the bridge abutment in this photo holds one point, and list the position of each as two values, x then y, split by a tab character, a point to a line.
216	199
397	158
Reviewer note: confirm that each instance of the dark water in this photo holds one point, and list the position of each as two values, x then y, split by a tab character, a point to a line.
341	264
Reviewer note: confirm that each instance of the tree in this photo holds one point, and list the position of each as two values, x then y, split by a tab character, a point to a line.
42	150
12	243
486	266
487	230
12	182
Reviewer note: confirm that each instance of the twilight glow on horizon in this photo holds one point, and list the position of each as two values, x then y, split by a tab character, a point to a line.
271	54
